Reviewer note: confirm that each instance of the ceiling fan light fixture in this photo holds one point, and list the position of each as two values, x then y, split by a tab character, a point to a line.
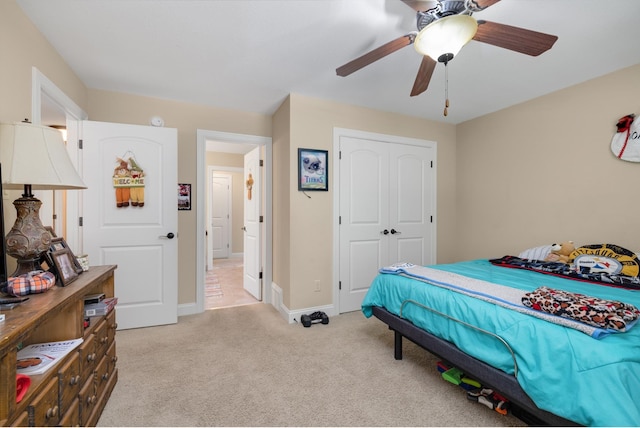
446	36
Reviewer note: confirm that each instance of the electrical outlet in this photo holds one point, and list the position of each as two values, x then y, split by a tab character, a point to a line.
317	285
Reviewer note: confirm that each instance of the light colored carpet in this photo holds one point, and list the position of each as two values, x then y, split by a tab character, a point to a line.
245	366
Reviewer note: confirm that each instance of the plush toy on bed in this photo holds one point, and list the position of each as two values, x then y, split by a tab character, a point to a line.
561	252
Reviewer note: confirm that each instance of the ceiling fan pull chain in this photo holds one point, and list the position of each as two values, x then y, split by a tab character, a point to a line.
446	89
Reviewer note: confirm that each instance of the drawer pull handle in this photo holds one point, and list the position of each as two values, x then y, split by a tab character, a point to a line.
105	376
74	380
52	412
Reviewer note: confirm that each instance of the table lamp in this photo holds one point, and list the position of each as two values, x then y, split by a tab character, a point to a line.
33	157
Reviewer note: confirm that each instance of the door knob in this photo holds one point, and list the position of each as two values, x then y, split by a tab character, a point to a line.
244	228
168	236
385	232
394	232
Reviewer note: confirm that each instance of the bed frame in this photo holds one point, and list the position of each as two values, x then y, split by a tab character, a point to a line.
487	375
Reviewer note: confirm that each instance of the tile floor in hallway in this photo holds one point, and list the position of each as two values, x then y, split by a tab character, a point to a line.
223	285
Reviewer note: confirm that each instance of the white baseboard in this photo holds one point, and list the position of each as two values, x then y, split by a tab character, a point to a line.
188	309
292	316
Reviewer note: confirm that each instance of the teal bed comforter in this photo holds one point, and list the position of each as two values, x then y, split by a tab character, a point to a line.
594	382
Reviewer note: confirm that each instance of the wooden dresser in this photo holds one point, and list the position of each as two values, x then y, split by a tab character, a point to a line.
75	391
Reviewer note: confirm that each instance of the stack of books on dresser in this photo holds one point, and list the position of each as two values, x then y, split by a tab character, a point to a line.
96	305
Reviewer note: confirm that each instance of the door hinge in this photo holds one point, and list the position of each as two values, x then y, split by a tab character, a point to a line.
261	219
431	219
339	285
55	216
80	144
431	164
340	155
261	162
260	275
339	220
80	221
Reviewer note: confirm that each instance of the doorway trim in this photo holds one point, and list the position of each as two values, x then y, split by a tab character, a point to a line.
202	135
44	91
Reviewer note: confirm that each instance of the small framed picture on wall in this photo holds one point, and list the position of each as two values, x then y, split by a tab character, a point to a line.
184	196
313	169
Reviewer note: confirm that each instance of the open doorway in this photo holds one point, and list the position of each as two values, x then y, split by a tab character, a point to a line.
225	226
222	154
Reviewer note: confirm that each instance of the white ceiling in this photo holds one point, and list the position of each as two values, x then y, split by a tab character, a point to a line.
250	54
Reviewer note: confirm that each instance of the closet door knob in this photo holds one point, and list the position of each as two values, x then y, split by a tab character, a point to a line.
385	232
394	232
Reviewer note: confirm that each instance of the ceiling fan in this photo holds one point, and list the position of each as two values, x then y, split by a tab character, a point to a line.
443	22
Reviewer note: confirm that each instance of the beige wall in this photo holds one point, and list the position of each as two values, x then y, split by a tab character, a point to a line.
543	171
24	47
281	141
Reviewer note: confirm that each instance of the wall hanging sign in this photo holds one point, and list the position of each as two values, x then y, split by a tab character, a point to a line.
184	196
626	141
313	168
128	181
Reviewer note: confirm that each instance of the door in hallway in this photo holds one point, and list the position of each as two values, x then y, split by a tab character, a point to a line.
252	224
220	215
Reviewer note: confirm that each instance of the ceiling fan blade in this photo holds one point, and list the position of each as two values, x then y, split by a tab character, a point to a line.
376	54
514	38
424	75
483	4
421	5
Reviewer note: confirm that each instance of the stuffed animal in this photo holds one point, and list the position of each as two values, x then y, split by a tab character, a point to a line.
561	252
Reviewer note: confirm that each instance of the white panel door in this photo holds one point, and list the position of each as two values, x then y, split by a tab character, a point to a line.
411	177
251	270
220	215
139	235
386	207
364	217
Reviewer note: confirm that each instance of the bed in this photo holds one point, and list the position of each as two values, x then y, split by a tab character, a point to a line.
558	374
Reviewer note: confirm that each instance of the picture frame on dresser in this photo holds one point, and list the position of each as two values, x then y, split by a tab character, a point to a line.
58	243
62	260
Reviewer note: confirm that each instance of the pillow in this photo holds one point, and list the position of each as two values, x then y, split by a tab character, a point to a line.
536	253
606	258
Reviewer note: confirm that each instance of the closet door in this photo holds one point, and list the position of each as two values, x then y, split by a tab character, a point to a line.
387	202
364	216
411	180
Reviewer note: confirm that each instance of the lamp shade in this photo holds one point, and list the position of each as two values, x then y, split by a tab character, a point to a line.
37	156
446	36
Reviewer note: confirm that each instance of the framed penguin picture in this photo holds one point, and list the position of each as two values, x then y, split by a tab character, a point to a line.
313	170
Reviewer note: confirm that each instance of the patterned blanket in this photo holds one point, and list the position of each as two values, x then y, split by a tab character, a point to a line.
567	271
607	314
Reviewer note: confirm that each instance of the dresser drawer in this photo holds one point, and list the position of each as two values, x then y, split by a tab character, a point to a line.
111	355
101	338
88	357
21	421
72	417
44	409
102	375
111	325
88	400
70	381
